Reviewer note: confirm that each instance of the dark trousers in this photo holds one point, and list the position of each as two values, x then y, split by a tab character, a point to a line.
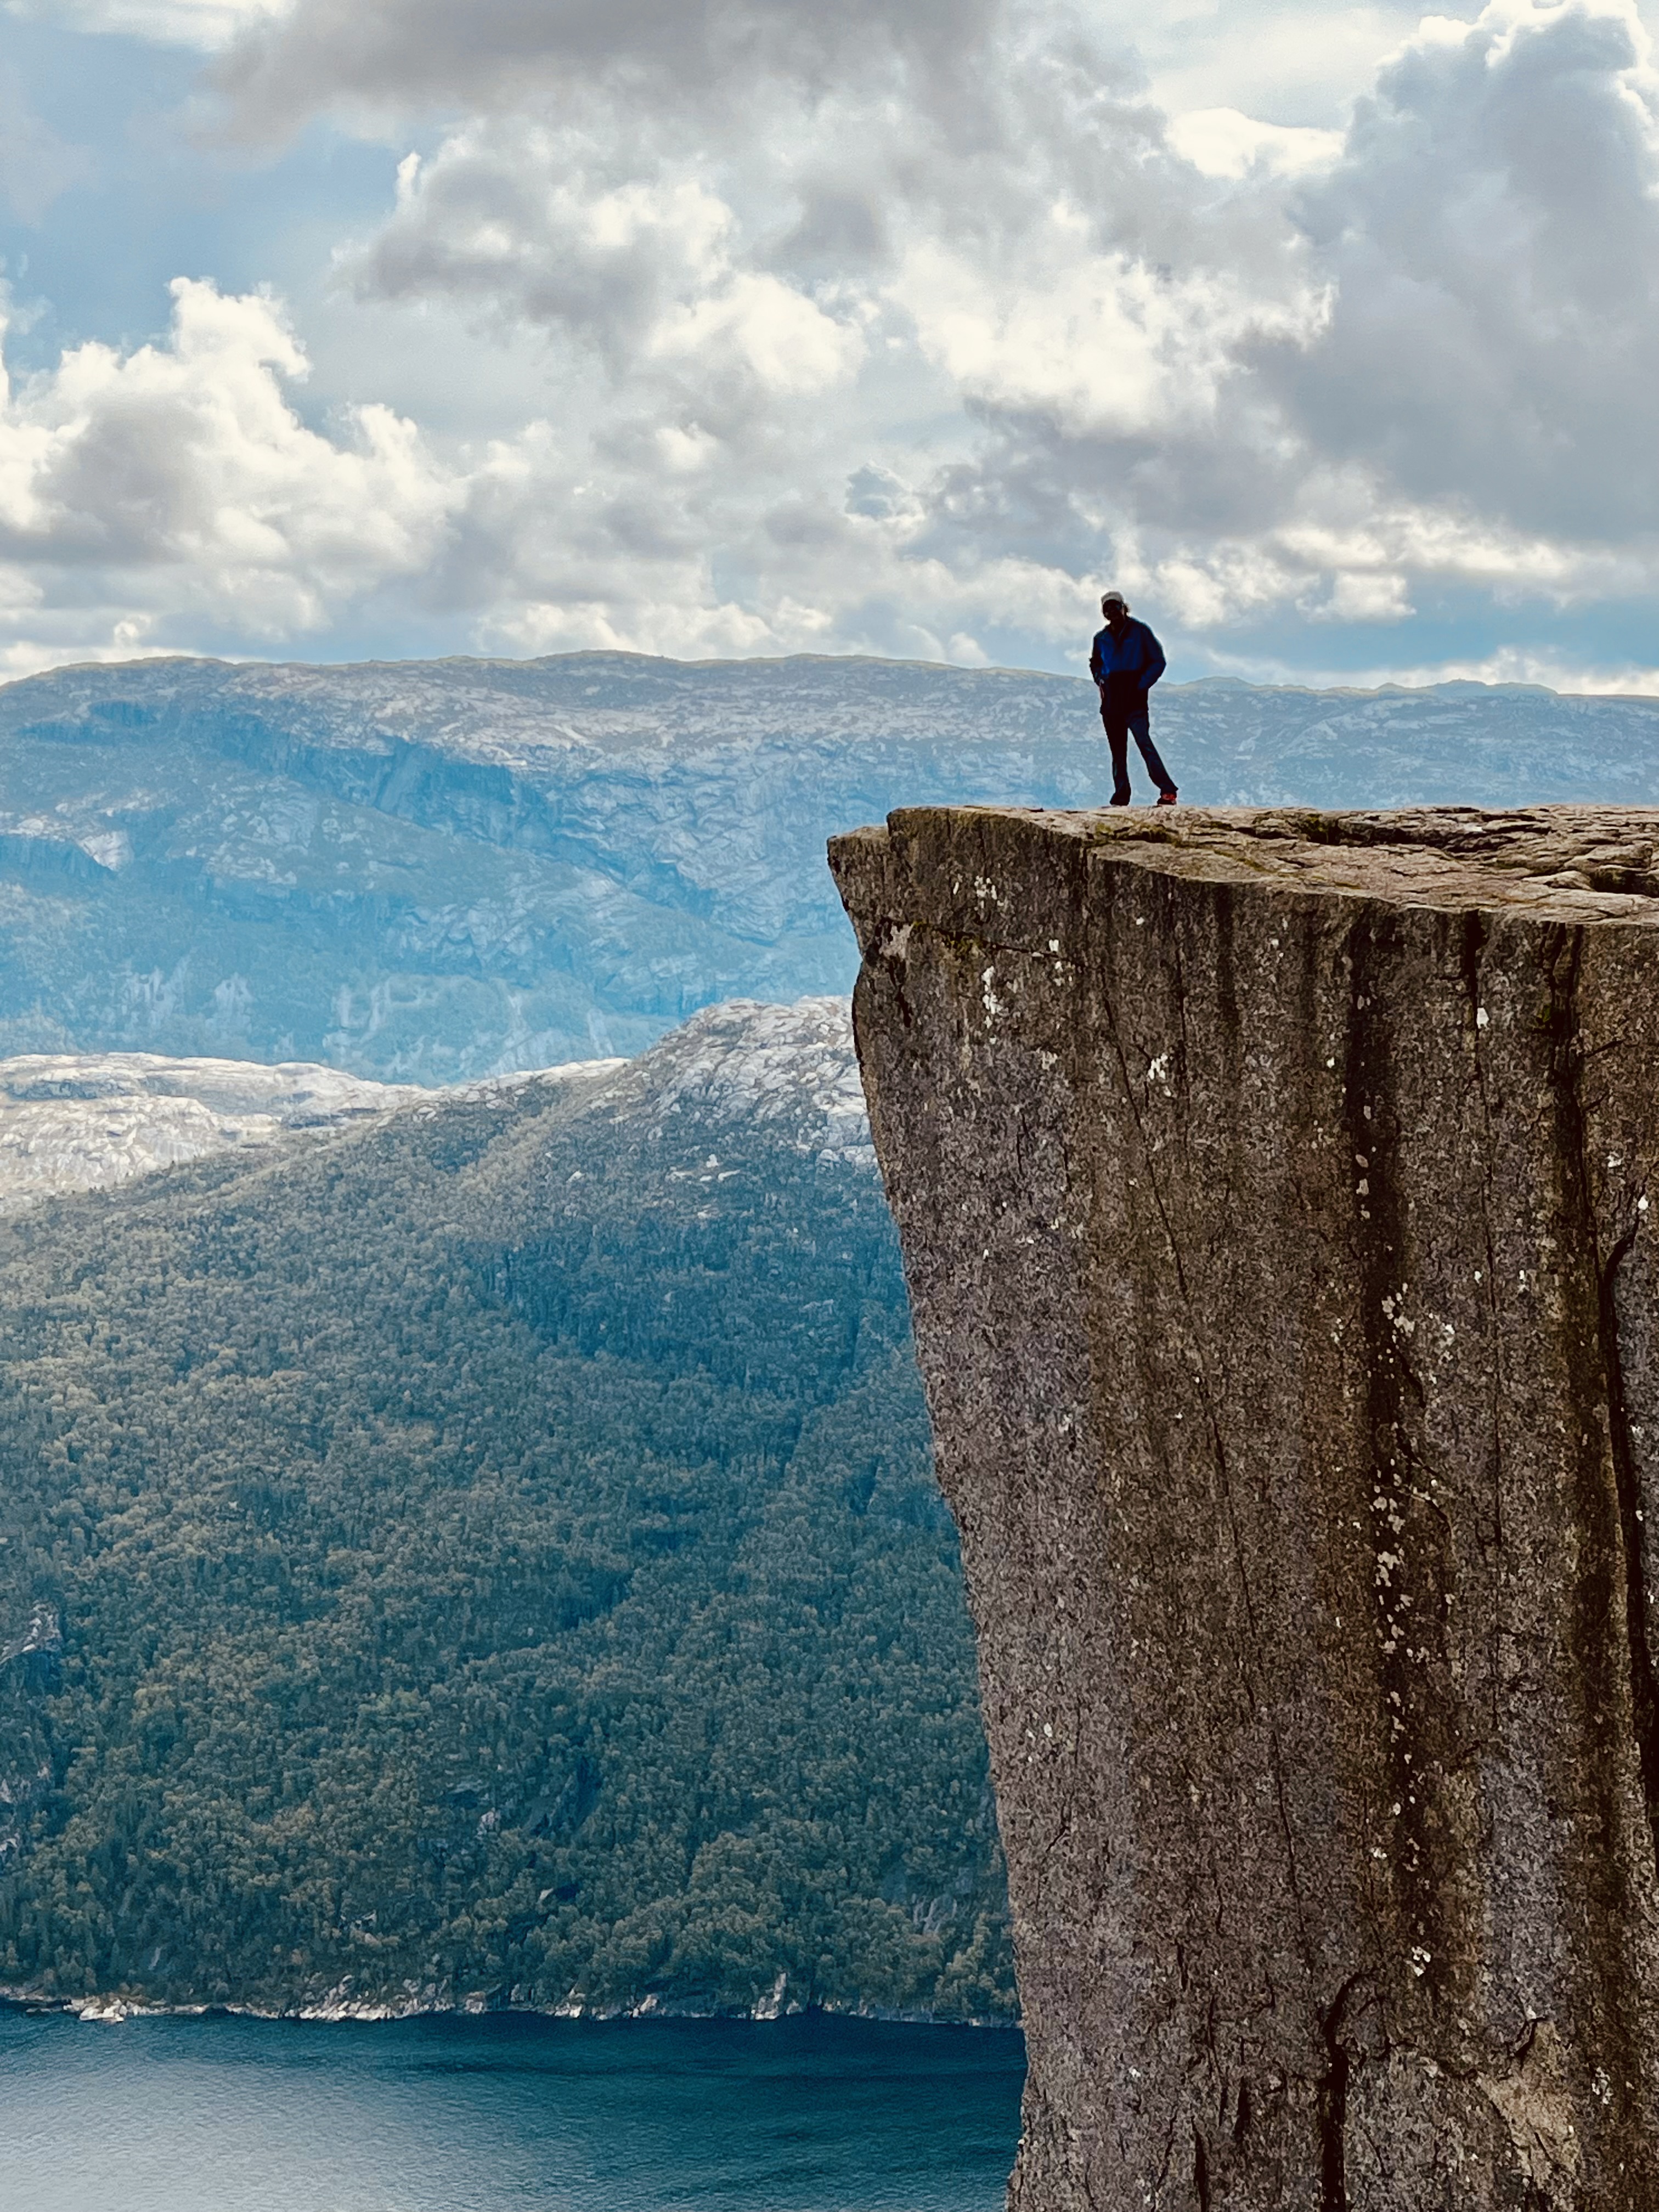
1124	714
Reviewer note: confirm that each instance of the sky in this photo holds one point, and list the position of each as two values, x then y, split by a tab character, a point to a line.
338	328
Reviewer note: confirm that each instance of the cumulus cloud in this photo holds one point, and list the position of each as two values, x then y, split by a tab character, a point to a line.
648	270
395	56
1491	239
177	481
896	328
1455	388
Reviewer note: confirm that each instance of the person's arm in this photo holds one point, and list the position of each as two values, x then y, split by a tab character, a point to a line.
1094	662
1154	665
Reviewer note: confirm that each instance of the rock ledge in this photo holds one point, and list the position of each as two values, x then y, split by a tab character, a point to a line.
1274	1192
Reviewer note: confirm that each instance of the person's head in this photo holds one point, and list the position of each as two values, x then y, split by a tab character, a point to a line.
1116	608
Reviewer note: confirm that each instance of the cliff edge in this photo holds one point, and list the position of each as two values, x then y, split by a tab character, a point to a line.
1274	1194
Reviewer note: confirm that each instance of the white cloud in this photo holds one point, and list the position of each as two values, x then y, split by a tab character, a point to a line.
395	56
1293	63
895	329
1222	142
1099	343
176	481
524	223
1492	237
1447	379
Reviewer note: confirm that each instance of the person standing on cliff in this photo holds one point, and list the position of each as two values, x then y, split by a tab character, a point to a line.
1126	662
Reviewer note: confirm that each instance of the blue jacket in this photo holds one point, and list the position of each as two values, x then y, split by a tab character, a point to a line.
1133	652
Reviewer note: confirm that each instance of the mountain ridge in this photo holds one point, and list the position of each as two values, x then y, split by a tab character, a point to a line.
424	871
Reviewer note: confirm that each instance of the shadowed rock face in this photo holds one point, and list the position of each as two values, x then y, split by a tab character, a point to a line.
1275	1197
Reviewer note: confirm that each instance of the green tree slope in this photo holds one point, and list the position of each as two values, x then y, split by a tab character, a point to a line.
496	1558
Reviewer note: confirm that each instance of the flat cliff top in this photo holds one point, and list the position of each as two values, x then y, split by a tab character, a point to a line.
1572	863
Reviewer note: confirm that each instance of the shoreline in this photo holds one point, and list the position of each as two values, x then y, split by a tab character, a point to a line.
337	2008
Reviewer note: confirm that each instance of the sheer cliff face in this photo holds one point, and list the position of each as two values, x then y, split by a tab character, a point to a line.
1275	1196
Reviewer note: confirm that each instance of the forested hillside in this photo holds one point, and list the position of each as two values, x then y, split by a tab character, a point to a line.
492	1556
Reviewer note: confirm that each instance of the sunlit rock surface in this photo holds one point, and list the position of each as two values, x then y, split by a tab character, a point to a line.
788	1070
80	1121
1276	1193
428	871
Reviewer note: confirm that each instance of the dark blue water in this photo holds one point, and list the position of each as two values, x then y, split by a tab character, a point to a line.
493	2115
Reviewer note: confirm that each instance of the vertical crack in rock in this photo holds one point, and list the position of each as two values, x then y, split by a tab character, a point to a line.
1569	1070
1272	1188
1332	2134
1645	1689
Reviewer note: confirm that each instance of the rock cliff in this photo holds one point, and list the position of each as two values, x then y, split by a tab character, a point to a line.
1274	1190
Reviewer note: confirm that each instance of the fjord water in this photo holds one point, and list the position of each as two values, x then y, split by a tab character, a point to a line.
504	2112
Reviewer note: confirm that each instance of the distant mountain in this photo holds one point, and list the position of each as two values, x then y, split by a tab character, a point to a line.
84	1121
488	1554
436	870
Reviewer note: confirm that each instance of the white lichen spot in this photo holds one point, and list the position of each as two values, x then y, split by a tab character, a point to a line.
1481	1017
1394	1307
1421	1960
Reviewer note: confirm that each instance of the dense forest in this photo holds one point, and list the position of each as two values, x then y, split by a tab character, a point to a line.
490	1557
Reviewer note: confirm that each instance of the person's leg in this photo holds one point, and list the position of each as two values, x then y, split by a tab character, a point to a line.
1117	737
1140	723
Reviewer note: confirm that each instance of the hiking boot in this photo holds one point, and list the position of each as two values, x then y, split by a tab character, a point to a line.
1167	797
1124	801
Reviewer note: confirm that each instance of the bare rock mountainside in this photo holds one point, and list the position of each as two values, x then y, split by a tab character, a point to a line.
1275	1190
433	871
87	1121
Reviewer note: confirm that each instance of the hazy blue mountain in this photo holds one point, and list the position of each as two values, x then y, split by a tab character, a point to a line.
490	1553
434	869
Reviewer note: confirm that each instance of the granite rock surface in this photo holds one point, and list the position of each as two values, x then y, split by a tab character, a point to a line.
1278	1194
